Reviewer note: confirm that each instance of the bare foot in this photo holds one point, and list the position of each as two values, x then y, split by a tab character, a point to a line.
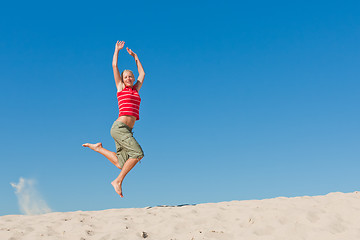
94	147
117	187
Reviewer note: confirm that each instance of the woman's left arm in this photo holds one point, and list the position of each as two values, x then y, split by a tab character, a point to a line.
141	71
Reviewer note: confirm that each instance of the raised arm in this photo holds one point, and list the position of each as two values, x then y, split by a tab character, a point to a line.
140	68
117	77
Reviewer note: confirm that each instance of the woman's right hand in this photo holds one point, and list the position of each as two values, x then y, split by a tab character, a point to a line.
119	45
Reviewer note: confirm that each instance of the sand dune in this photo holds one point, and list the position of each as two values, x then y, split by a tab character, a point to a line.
333	216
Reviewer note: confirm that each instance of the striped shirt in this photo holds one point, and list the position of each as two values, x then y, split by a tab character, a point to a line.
129	102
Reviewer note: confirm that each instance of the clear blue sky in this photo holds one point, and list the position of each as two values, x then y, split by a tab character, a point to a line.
241	100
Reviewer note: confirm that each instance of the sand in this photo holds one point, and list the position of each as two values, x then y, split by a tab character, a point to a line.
333	216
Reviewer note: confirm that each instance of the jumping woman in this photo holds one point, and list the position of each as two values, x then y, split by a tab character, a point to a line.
128	151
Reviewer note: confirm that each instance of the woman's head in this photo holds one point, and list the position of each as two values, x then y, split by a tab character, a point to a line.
128	78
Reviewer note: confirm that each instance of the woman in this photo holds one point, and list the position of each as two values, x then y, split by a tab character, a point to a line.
128	151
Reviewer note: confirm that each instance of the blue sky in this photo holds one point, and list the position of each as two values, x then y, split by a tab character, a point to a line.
241	100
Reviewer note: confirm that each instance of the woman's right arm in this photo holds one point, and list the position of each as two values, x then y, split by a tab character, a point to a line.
118	82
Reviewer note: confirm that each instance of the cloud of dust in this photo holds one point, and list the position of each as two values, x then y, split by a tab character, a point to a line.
30	201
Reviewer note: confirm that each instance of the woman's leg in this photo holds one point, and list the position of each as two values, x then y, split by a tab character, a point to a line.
129	164
97	147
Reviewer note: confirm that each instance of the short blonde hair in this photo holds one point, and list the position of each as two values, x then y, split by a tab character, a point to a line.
122	74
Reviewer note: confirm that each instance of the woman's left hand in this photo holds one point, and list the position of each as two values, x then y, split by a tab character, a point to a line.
131	52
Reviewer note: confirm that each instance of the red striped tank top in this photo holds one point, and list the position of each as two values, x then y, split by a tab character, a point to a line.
129	102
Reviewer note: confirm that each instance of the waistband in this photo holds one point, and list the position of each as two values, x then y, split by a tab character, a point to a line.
123	125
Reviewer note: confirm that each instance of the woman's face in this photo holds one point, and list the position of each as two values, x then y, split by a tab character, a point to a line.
128	78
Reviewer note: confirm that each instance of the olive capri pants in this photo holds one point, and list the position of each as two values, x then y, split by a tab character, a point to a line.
126	145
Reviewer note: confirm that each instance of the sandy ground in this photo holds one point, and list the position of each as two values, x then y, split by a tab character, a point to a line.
333	216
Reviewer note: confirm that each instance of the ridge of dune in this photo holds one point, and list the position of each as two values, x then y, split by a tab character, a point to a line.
332	216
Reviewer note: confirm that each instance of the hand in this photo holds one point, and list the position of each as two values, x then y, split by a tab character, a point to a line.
119	45
131	52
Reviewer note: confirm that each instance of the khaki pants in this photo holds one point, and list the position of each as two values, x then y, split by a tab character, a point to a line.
126	145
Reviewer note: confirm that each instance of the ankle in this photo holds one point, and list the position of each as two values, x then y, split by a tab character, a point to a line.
98	149
118	181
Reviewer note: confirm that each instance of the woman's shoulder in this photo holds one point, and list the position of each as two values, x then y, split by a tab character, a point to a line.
120	87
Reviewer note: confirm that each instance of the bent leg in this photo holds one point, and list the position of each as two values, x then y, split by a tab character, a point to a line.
106	153
129	164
